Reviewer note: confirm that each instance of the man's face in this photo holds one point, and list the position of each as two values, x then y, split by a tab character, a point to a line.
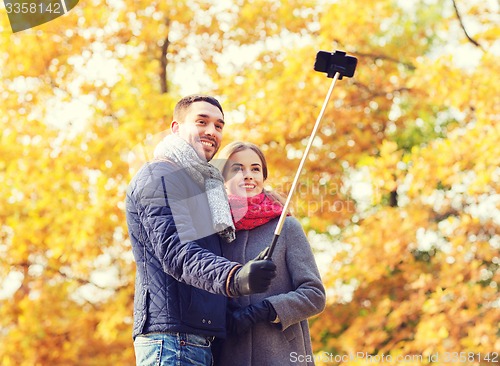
202	128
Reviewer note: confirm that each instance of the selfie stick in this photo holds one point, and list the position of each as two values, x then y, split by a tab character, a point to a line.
336	65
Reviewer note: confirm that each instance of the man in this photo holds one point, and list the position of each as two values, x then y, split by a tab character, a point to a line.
177	215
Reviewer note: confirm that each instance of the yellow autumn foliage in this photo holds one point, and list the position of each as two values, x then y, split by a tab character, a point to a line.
400	194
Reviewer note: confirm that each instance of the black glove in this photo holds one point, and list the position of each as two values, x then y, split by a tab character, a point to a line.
240	321
254	277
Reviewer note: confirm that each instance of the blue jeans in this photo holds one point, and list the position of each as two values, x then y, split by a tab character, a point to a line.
173	349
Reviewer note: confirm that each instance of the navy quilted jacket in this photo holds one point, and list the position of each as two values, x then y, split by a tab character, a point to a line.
181	278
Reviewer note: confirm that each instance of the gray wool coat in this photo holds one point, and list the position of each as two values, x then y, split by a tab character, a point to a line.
296	294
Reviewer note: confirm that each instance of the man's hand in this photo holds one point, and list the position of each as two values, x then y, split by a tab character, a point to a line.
254	277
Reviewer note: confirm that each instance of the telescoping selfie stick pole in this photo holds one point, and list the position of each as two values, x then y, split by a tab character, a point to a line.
336	64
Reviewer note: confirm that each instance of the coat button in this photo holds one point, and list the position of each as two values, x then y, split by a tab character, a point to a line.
209	322
203	321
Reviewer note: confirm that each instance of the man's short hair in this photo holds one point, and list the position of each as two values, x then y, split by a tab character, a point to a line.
182	105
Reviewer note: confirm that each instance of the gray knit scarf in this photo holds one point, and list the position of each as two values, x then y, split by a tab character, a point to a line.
177	150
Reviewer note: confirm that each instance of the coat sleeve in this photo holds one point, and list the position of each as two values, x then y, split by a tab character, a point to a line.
185	260
308	296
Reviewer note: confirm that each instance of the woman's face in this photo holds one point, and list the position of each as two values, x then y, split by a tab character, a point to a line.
243	174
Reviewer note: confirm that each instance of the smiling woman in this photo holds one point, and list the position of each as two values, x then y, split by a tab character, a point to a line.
243	174
274	322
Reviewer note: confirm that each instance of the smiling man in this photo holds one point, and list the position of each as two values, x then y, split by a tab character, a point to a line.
199	123
178	216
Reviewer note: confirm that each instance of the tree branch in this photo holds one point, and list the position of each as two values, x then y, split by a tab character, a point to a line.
473	41
374	94
387	58
164	61
374	56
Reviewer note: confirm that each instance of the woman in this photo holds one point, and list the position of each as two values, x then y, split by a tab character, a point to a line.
269	328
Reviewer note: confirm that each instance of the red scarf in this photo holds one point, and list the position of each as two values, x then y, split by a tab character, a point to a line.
251	212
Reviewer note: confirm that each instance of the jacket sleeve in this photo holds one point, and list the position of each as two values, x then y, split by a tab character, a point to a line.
308	297
185	260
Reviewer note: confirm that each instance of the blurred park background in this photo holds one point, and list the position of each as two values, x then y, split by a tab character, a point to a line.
399	198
